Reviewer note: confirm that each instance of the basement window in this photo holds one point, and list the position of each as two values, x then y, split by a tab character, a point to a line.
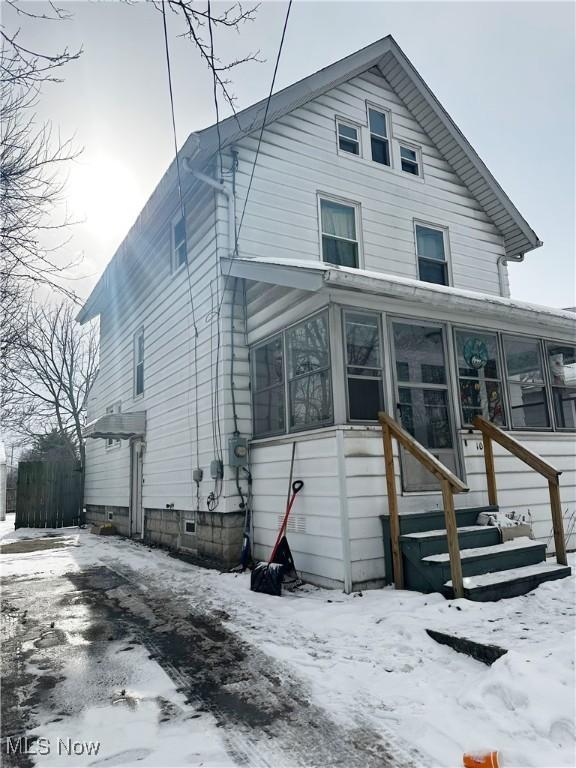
348	138
379	136
189	526
363	366
410	160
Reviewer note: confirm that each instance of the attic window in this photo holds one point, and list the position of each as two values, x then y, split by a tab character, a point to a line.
348	138
410	160
379	136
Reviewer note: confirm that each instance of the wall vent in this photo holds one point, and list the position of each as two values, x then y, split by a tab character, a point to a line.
296	523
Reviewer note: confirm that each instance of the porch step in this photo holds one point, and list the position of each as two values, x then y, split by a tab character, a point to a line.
423	543
509	583
483	560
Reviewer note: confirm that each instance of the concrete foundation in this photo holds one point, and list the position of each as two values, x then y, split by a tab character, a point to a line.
120	516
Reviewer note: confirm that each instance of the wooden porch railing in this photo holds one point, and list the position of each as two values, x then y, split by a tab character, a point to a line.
490	433
450	485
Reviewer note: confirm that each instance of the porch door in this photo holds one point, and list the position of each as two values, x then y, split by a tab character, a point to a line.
136	479
423	402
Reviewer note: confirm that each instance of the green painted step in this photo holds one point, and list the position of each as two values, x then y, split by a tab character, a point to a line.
426	543
432	520
510	583
482	560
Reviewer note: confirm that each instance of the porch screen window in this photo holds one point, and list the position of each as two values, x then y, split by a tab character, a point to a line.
431	252
339	239
363	366
348	140
180	248
379	137
562	366
480	380
268	388
139	363
526	387
309	378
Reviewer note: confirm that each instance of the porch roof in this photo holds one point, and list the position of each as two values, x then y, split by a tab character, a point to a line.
315	276
117	426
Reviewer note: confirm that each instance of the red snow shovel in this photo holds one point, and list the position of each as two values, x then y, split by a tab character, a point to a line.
267	577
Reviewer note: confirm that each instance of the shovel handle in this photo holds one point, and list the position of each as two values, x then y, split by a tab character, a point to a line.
297	485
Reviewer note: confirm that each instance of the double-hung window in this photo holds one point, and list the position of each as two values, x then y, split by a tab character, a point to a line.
348	138
363	365
268	392
479	376
309	377
562	366
379	136
179	246
526	385
410	160
139	363
431	254
339	233
112	442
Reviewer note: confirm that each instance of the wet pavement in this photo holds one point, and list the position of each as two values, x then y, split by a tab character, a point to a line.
94	619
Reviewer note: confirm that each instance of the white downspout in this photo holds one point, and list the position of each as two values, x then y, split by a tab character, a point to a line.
219	187
343	504
502	260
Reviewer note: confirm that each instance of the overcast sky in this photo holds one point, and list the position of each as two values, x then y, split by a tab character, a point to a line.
504	72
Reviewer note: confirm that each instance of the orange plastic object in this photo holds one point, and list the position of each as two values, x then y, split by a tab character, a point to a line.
486	760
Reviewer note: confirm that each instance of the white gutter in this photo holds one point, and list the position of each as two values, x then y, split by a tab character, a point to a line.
344	521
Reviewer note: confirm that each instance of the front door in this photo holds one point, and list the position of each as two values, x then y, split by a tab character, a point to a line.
136	462
423	400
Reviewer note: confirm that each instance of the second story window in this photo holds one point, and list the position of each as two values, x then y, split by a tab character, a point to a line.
339	233
139	363
179	251
379	136
348	138
431	253
410	160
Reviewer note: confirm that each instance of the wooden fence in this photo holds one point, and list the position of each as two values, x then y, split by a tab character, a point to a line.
48	494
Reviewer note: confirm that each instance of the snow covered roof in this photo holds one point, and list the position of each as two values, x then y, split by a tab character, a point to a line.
387	57
314	275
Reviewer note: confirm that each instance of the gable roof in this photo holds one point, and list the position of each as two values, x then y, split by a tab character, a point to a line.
387	56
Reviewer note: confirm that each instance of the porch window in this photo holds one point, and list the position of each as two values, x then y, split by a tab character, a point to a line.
410	160
379	136
431	253
309	378
526	387
562	366
268	387
480	379
339	238
363	366
348	138
180	249
139	363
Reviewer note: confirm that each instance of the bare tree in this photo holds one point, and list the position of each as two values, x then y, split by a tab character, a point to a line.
51	376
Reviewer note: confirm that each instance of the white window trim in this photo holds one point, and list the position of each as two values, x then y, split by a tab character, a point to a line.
174	266
418	150
187	520
357	223
137	334
116	408
447	253
387	112
350	124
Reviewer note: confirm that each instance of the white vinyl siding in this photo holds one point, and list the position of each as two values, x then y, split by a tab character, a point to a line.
298	158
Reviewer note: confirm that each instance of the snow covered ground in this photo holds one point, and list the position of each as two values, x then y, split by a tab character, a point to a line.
365	659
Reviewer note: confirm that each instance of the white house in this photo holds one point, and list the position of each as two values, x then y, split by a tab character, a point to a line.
366	271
